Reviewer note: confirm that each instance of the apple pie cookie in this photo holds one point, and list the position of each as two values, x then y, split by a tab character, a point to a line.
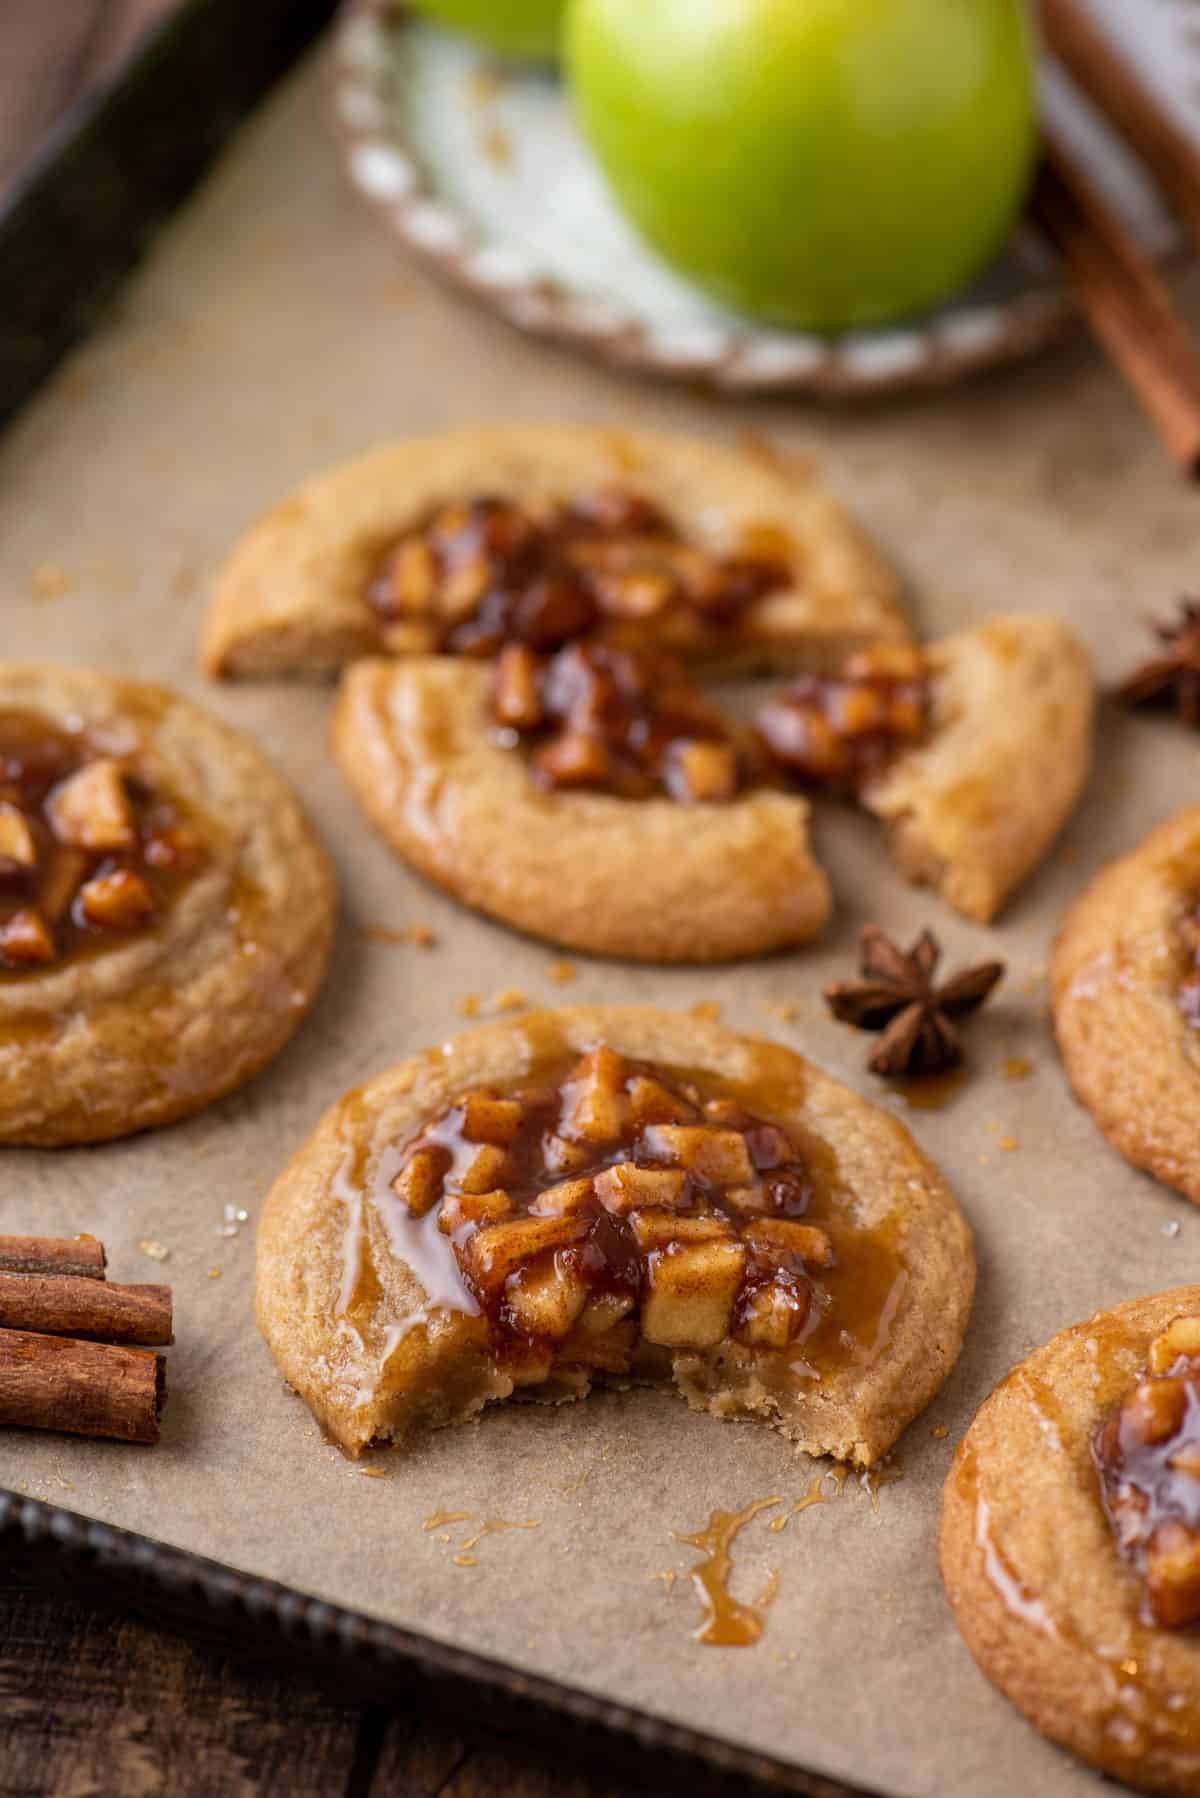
592	797
972	751
165	909
613	1194
1125	996
541	534
1070	1541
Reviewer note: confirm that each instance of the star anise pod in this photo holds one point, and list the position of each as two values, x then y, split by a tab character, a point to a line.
1173	677
897	996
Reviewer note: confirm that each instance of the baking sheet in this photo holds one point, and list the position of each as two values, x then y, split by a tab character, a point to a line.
273	331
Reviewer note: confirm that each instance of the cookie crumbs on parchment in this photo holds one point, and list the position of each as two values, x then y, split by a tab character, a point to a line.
562	972
706	1010
786	1014
1171	1227
372	1473
510	998
1008	1143
469	1006
1018	1067
157	1251
49	580
939	1432
419	935
214	1273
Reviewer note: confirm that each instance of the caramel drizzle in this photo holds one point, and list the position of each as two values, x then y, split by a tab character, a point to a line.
727	1623
490	1526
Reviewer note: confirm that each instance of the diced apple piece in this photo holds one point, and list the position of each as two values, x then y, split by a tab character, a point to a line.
570	1198
478	1208
500	1249
574	760
660	1229
488	1119
26	938
1181	1337
594	1099
1156	1409
625	1188
1173	1580
781	1238
60	883
650	1102
748	1201
90	809
17	843
419	1181
773	1315
564	1157
690	1293
703	773
604	1310
516	701
544	1299
480	1168
712	1154
117	901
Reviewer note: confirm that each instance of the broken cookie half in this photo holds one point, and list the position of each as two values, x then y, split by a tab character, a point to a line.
972	751
616	1194
462	541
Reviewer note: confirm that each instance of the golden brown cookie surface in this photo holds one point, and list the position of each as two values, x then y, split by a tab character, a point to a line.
1048	1594
618	1192
1122	994
424	545
165	909
647	878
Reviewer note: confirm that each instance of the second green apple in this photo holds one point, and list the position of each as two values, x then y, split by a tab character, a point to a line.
823	164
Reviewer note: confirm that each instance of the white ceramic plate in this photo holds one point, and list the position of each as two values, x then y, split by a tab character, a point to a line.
482	172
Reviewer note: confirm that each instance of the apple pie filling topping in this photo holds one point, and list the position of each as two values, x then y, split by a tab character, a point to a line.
480	573
90	853
842	730
615	1205
1147	1456
618	721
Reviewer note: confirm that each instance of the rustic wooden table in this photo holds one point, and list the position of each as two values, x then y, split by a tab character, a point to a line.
92	1701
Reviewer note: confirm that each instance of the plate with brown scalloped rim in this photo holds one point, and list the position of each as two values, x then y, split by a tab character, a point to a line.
479	170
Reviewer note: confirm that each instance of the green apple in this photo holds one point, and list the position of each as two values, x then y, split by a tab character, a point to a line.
513	27
820	163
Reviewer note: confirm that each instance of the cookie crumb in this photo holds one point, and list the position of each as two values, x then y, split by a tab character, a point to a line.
214	1273
511	998
419	935
706	1010
1008	1143
1018	1067
562	972
939	1432
49	580
470	1005
372	1473
157	1251
1171	1227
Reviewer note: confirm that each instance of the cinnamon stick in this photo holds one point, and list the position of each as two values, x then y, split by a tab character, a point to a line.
1134	110
1124	299
85	1388
65	1305
79	1255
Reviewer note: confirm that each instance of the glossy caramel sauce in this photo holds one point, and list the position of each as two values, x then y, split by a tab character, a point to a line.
727	1622
840	731
852	1306
1018	1067
62	900
475	574
932	1092
491	1526
1147	1458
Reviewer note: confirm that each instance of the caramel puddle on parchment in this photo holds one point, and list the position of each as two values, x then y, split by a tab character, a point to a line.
491	1526
727	1622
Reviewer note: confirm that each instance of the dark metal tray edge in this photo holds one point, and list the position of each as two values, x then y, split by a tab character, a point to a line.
277	1626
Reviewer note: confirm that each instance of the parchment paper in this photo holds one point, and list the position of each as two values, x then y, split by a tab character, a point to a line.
271	332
